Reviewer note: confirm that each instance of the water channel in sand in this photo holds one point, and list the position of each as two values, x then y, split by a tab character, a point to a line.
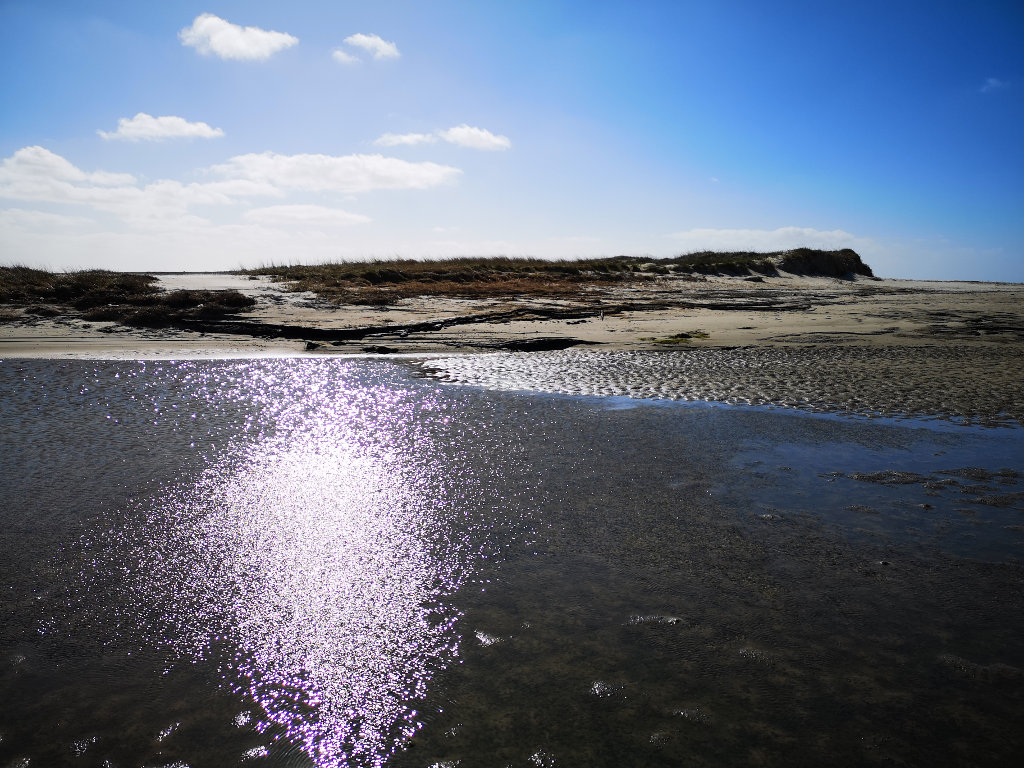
337	562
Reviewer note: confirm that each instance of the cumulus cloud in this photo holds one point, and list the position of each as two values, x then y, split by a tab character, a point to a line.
461	135
374	45
993	84
32	164
765	239
303	215
34	174
211	34
342	57
345	173
145	127
475	138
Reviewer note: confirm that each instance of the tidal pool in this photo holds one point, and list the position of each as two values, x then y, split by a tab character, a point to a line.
338	562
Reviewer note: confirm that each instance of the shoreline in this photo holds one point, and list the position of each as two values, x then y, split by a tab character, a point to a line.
663	313
866	345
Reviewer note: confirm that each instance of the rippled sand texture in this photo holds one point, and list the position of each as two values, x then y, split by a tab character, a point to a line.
973	383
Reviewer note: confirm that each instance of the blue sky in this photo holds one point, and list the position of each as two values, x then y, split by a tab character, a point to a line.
212	135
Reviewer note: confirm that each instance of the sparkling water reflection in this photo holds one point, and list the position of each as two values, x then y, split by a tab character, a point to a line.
311	563
310	555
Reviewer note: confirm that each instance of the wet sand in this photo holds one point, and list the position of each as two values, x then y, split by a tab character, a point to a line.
865	345
977	384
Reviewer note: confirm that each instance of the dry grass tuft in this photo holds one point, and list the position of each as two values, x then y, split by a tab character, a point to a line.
100	295
25	285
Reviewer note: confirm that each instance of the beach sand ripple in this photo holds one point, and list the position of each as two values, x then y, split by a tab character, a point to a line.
976	384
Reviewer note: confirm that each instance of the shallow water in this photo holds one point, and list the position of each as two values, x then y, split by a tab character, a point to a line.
327	562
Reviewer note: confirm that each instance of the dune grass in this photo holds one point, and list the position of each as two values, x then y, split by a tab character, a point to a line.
25	285
99	295
384	282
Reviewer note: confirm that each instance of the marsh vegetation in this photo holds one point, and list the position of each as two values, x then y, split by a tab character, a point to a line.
97	295
384	282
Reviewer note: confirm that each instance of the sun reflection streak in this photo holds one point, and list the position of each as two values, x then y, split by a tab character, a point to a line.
314	561
327	578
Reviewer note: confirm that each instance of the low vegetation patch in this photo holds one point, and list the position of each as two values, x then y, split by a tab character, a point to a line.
684	337
27	286
384	282
807	261
168	308
100	295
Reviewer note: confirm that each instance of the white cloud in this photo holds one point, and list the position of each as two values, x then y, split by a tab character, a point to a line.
409	139
345	173
115	221
342	57
172	196
374	45
34	174
212	34
994	84
39	163
765	239
303	215
475	138
461	135
145	127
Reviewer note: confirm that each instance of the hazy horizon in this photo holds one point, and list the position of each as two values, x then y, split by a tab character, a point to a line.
216	135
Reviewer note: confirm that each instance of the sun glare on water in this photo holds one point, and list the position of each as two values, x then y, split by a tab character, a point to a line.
312	564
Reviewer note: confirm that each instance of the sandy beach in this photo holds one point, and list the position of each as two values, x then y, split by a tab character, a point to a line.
863	344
